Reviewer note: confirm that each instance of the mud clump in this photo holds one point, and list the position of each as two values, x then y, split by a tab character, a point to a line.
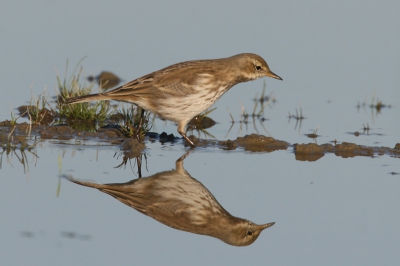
312	151
308	152
260	143
347	149
308	148
228	145
61	132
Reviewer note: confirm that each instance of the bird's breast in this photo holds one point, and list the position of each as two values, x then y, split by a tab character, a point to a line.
191	104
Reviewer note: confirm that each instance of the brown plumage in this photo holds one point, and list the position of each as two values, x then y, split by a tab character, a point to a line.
177	200
182	91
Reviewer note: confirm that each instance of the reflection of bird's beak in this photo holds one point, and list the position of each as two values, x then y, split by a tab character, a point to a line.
273	75
263	226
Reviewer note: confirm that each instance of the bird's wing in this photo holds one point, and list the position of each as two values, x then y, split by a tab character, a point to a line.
138	87
175	214
124	192
134	200
176	80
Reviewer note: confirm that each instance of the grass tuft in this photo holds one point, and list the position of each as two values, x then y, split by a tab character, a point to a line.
71	87
130	121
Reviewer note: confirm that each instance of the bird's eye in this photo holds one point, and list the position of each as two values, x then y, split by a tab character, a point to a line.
249	233
258	68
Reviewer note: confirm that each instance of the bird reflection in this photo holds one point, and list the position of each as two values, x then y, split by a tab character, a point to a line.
177	200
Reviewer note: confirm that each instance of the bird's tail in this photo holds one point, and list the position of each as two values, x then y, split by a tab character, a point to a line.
86	98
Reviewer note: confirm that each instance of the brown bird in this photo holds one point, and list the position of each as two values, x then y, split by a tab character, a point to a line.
177	200
182	91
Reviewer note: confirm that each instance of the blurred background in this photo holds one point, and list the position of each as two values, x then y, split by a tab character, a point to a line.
338	51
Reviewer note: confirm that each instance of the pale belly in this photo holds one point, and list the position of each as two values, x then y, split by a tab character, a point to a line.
187	107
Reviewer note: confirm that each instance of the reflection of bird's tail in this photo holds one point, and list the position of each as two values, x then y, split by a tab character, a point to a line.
117	187
87	98
124	192
87	184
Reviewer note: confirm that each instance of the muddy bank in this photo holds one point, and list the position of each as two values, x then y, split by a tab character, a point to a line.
313	152
253	143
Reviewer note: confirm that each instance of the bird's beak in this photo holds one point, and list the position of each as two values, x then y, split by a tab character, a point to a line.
273	75
263	226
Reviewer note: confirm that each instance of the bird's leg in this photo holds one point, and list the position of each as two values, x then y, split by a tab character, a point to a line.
187	139
139	165
181	131
139	128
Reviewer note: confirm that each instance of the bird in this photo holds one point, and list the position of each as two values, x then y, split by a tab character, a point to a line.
177	200
181	91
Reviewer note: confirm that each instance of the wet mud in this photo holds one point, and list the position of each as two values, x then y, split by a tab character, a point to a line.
313	152
253	143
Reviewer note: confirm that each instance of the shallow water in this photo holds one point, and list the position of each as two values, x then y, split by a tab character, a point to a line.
335	210
335	205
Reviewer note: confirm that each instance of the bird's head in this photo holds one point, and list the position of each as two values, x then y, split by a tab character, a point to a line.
253	66
244	233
